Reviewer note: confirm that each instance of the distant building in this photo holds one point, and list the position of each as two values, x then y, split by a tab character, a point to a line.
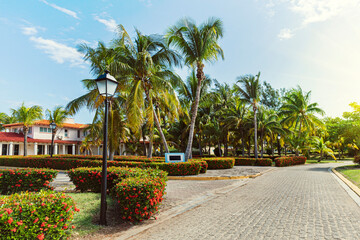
67	139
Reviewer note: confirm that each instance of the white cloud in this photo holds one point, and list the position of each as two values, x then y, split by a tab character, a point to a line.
285	33
29	30
61	9
110	24
58	52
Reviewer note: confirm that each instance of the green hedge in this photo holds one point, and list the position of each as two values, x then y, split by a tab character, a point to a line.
17	180
43	215
219	163
174	169
138	191
253	162
203	165
116	158
289	161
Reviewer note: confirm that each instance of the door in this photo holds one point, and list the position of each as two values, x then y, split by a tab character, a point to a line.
40	150
4	149
69	149
16	149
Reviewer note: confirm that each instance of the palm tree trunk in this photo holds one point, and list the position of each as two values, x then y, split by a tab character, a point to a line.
144	144
226	150
299	134
242	143
52	142
262	145
111	155
219	146
149	153
157	123
255	135
249	146
194	109
200	147
25	140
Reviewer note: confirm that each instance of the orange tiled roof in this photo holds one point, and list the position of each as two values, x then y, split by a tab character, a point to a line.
18	137
47	123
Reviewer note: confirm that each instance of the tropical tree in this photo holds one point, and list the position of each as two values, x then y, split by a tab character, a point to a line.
26	116
5	119
249	91
197	44
322	148
57	116
299	112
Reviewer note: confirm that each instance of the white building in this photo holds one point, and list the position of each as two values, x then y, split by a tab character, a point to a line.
67	139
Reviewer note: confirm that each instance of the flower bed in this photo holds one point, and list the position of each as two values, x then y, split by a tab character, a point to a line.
43	215
139	197
219	163
289	161
253	162
174	169
17	180
203	165
89	179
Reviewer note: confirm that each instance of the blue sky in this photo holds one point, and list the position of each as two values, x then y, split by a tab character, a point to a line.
311	43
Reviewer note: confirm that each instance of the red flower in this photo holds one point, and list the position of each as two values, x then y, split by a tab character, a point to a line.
10	220
36	220
41	236
13	230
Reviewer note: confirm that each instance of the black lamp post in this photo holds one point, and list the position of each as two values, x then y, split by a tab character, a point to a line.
106	84
278	141
52	127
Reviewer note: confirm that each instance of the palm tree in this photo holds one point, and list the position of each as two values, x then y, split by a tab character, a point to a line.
250	93
5	119
299	112
321	147
57	116
146	65
27	116
198	44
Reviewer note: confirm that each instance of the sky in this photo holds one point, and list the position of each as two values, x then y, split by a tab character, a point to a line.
310	43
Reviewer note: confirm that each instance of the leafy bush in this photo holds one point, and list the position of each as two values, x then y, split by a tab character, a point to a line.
116	158
219	163
178	169
17	180
43	215
203	165
253	162
289	161
89	179
139	197
357	159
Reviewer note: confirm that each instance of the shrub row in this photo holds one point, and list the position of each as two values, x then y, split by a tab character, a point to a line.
219	163
203	165
253	162
174	169
17	180
116	158
138	191
43	215
289	161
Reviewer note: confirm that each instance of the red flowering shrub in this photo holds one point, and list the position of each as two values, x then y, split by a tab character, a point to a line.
116	158
203	165
289	161
42	215
178	169
253	162
219	163
139	197
89	179
17	180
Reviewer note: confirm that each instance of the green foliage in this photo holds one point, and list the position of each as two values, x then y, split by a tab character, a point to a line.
219	163
289	161
43	215
18	180
253	162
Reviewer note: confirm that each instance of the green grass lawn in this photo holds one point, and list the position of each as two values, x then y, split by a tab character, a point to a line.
351	172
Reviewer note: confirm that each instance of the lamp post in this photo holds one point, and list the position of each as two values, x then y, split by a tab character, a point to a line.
106	85
52	127
278	141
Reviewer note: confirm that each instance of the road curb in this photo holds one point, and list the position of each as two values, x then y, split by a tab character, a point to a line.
352	186
218	178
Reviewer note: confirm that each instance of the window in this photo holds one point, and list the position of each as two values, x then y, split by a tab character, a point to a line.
78	133
41	129
49	130
16	149
66	133
30	130
84	133
45	130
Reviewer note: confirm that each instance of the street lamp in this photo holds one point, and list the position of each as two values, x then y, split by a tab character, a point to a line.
52	127
106	85
278	141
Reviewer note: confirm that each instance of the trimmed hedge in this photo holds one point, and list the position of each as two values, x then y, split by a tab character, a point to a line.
139	197
89	179
219	163
174	169
138	191
43	215
116	158
253	162
289	161
203	165
17	180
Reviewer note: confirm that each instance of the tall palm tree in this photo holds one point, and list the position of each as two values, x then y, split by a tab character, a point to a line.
27	116
322	147
147	64
198	44
249	91
5	119
57	116
299	112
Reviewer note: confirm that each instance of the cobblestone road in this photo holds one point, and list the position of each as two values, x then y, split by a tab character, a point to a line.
302	202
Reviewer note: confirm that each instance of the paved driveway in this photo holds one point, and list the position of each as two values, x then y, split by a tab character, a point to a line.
302	202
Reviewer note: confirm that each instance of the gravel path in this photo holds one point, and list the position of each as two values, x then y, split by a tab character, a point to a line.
302	202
